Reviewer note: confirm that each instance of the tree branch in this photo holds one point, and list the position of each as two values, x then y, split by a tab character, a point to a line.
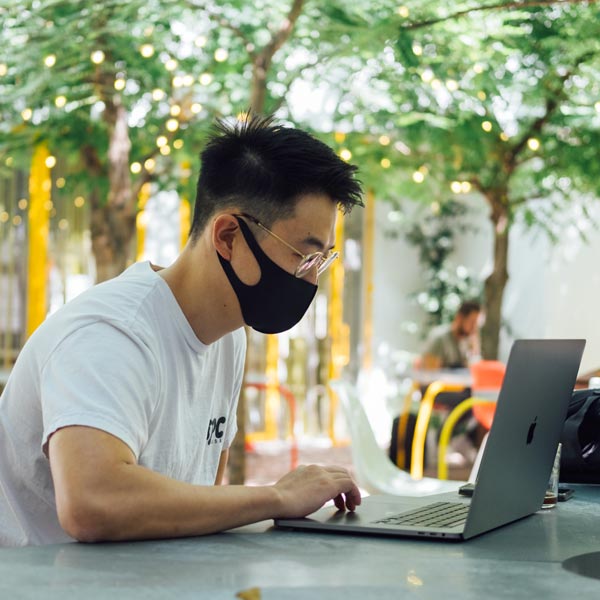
552	103
284	32
490	7
223	22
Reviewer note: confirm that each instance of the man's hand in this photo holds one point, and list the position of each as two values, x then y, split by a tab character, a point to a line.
308	488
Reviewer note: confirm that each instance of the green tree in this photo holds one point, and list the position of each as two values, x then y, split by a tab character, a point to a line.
499	101
423	95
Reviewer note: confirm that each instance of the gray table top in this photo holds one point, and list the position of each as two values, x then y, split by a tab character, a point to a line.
521	560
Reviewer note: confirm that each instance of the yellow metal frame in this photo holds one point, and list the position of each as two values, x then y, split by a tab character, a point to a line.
423	418
446	433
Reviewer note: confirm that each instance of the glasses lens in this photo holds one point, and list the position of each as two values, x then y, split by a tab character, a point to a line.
327	262
308	263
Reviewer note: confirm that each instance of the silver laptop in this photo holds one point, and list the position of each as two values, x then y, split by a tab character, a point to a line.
515	467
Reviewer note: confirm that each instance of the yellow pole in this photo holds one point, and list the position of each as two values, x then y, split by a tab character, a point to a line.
40	188
368	261
338	330
185	220
272	394
141	221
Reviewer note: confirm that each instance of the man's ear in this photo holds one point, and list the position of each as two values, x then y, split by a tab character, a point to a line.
225	228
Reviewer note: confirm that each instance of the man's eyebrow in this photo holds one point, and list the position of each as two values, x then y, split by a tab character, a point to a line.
317	243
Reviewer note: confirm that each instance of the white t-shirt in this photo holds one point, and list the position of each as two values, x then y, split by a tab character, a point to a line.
123	358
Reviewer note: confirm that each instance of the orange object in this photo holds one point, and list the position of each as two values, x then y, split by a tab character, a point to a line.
487	378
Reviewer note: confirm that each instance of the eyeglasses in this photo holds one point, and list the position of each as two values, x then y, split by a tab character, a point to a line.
317	260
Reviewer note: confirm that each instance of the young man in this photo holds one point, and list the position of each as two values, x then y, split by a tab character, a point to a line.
117	417
451	346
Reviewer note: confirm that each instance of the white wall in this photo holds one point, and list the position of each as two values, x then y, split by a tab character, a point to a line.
553	290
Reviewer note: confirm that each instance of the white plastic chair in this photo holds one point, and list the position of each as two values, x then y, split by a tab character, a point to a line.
374	471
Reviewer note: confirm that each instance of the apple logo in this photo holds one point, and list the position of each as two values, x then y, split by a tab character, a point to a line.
531	431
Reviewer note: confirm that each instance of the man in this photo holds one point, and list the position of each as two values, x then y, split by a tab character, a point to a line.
452	346
117	417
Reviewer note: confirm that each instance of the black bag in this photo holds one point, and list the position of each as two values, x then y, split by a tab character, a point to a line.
580	457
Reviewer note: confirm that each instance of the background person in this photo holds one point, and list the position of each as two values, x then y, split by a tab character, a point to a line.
456	344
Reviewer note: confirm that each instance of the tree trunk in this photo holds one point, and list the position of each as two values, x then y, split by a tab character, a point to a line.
496	281
113	222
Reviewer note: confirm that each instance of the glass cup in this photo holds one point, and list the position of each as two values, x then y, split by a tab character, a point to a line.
551	496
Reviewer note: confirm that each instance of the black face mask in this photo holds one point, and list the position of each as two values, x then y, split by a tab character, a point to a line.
279	299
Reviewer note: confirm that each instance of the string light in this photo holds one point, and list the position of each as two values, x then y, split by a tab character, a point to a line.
3	69
597	107
175	110
417	49
196	107
403	11
533	144
504	137
436	84
481	95
119	84
178	144
465	187
452	85
177	81
63	224
26	114
455	187
50	162
171	64
345	154
200	41
418	177
172	125
161	140
147	50
478	68
97	57
17	220
50	60
4	216
60	101
48	205
9	161
135	168
384	140
427	76
157	94
149	164
61	182
165	150
486	126
386	163
22	204
205	79
188	80
221	55
79	201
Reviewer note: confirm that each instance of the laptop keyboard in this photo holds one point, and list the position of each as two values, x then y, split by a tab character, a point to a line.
438	514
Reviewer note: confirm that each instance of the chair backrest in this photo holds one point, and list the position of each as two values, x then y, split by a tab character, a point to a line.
373	470
487	375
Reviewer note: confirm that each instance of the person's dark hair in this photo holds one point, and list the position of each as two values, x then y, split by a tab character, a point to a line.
468	307
263	168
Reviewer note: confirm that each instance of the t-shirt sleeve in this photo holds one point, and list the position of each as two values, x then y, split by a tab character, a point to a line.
239	358
434	345
101	377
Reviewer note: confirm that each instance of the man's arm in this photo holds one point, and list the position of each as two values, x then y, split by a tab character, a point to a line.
222	466
103	494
